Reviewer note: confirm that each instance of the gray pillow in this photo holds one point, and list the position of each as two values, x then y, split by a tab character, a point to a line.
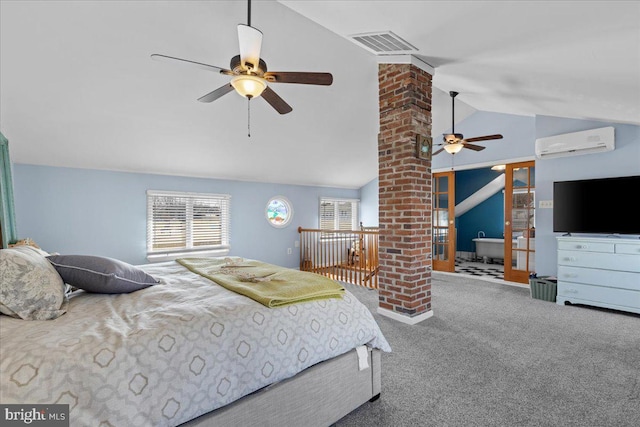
30	288
100	274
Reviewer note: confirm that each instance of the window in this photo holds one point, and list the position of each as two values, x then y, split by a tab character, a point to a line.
179	223
339	214
279	211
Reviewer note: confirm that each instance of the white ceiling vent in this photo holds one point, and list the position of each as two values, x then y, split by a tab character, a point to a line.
384	43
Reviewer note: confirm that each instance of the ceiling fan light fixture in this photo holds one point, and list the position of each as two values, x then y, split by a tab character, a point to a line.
453	148
248	86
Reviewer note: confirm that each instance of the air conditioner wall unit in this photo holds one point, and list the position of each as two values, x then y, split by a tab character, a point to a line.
576	143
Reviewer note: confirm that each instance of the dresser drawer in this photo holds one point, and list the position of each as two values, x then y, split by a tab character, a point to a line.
600	271
607	278
598	294
606	261
626	248
587	246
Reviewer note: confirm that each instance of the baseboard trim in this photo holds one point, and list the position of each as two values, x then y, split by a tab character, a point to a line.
405	319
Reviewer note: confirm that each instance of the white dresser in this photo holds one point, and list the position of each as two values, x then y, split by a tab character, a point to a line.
599	271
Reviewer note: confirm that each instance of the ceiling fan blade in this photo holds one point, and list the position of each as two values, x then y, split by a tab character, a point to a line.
438	151
212	96
165	58
483	138
473	146
250	40
275	101
304	78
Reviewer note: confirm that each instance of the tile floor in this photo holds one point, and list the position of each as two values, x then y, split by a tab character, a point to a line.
494	270
490	272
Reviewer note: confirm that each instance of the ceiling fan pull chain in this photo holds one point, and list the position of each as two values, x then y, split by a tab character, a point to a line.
248	117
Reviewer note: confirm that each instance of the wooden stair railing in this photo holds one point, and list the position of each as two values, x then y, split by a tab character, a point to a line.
347	256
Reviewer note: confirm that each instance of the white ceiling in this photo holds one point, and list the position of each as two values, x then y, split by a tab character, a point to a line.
78	89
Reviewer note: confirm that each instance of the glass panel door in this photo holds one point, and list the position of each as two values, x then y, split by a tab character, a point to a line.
443	222
519	229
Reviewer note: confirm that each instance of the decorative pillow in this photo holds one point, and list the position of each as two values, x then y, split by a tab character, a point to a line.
100	274
30	288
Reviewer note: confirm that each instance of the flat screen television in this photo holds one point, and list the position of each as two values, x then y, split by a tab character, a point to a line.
598	206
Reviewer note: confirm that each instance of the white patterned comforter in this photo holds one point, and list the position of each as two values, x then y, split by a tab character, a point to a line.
171	352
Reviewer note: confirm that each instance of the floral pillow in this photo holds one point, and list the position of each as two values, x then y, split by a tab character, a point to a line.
30	288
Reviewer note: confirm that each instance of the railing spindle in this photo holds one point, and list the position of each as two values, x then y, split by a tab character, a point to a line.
348	256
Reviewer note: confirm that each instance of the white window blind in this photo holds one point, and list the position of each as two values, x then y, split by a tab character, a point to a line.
339	214
186	222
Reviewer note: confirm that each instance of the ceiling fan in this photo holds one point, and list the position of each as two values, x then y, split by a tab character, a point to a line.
454	142
249	75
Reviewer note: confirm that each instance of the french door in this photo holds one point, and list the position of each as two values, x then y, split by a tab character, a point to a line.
519	224
443	222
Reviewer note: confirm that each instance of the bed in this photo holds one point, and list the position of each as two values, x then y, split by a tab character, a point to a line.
187	351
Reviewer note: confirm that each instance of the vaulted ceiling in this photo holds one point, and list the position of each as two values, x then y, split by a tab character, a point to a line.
78	87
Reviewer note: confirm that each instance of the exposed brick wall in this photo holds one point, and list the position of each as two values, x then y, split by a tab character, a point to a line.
404	190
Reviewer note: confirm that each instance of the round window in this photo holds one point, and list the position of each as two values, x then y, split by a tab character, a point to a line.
279	211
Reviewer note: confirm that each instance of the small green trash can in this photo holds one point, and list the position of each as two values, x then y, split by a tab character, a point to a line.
543	288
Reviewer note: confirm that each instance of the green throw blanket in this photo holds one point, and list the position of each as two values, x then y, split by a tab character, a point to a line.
267	284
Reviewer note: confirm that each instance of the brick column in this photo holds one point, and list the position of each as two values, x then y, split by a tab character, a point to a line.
404	193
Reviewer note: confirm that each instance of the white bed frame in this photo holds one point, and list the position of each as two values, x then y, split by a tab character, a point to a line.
319	396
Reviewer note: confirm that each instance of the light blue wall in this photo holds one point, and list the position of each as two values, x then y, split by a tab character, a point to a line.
623	161
104	213
81	211
369	204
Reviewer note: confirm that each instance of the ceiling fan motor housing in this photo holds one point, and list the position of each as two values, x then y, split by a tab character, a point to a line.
236	66
452	138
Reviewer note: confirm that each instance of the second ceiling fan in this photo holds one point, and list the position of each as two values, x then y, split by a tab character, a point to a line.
454	142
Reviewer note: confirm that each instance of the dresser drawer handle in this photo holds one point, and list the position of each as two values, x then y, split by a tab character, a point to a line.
571	291
571	259
570	275
582	246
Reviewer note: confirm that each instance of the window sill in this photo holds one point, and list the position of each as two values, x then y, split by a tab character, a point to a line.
171	256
